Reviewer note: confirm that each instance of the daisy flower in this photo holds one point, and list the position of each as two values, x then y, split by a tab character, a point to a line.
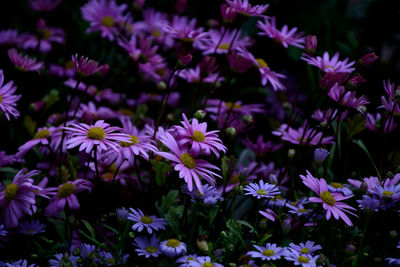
183	29
305	260
105	16
269	214
260	147
44	5
8	100
41	137
261	190
142	221
100	135
24	63
190	168
268	252
18	197
196	136
298	209
387	191
347	99
327	64
148	247
173	247
3	232
187	260
330	201
284	36
9	37
65	193
210	196
204	261
245	9
390	104
31	228
193	75
86	67
307	248
369	203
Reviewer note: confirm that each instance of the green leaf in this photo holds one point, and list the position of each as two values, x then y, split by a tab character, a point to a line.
30	125
161	169
90	228
167	201
355	125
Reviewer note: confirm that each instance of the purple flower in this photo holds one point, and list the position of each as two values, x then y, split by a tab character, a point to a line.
86	67
261	190
307	248
41	137
369	203
261	148
305	260
24	63
183	29
327	64
3	232
284	36
142	221
204	261
269	214
33	227
310	45
320	154
245	9
187	260
391	104
209	197
387	191
347	99
9	37
172	247
8	100
194	76
367	60
18	197
148	247
105	16
268	252
65	193
44	5
64	260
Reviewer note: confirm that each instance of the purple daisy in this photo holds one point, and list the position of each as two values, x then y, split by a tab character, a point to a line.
190	168
194	76
18	197
307	248
298	209
65	193
44	5
387	191
148	247
390	104
87	67
105	16
185	30
172	247
210	196
268	213
24	63
204	261
99	135
305	260
9	37
327	64
8	100
369	203
284	36
142	221
261	190
245	9
196	136
41	137
31	228
261	148
268	252
347	99
330	201
3	232
187	260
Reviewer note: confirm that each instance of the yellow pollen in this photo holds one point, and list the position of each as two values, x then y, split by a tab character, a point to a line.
1	98
207	264
198	136
133	141
161	72
224	46
65	190
151	249
41	134
111	261
302	210
146	219
156	33
10	192
336	185
190	259
268	252
187	40
302	140
108	176
278	197
387	193
305	250
261	63
303	259
327	198
188	161
262	192
173	243
46	34
107	21
329	66
235	179
232	105
96	133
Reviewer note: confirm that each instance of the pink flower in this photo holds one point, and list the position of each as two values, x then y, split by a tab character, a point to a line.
100	135
8	100
194	76
87	67
18	197
390	103
190	168
244	8
330	201
24	63
347	99
330	65
261	148
183	29
66	194
284	36
269	214
41	137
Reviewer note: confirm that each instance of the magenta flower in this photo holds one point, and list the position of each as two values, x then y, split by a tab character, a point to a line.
100	135
330	65
86	67
18	197
8	100
194	76
44	5
330	201
269	214
245	9
41	137
105	16
261	148
24	63
183	29
66	194
347	99
190	168
390	103
284	36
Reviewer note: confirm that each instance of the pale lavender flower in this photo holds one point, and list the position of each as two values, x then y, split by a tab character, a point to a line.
369	203
9	37
268	252
31	228
308	248
148	247
142	221
245	9
204	261
172	247
44	5
304	260
86	67
8	100
261	190
187	260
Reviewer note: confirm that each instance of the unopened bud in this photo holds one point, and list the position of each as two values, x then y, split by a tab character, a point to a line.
273	179
231	132
287	105
364	187
291	153
202	245
310	45
104	69
200	114
287	225
131	234
350	249
184	61
320	154
393	234
161	85
355	82
362	109
367	60
248	119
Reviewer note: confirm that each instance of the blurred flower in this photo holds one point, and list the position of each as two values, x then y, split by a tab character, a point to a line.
307	248
33	227
86	67
210	196
269	214
320	154
245	9
8	100
204	261
183	29
24	63
367	60
9	37
391	103
261	148
185	261
142	221
369	203
43	5
305	260
347	99
310	45
284	36
41	137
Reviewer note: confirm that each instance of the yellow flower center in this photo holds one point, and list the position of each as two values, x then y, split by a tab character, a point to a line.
156	33
224	46
337	185
146	219
151	249
328	198
173	243
207	264
235	179
329	66
305	250
46	34
111	261
1	98
188	161
190	259
303	259
133	141
387	193
262	192
302	210
268	252
161	72
107	21
261	63
11	192
198	136
65	190
41	134
96	133
232	105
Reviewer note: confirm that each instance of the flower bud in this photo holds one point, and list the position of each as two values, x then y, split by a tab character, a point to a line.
310	45
355	82
364	187
161	85
350	249
248	119
367	60
393	234
184	61
330	78
320	154
291	153
200	114
362	109
231	132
